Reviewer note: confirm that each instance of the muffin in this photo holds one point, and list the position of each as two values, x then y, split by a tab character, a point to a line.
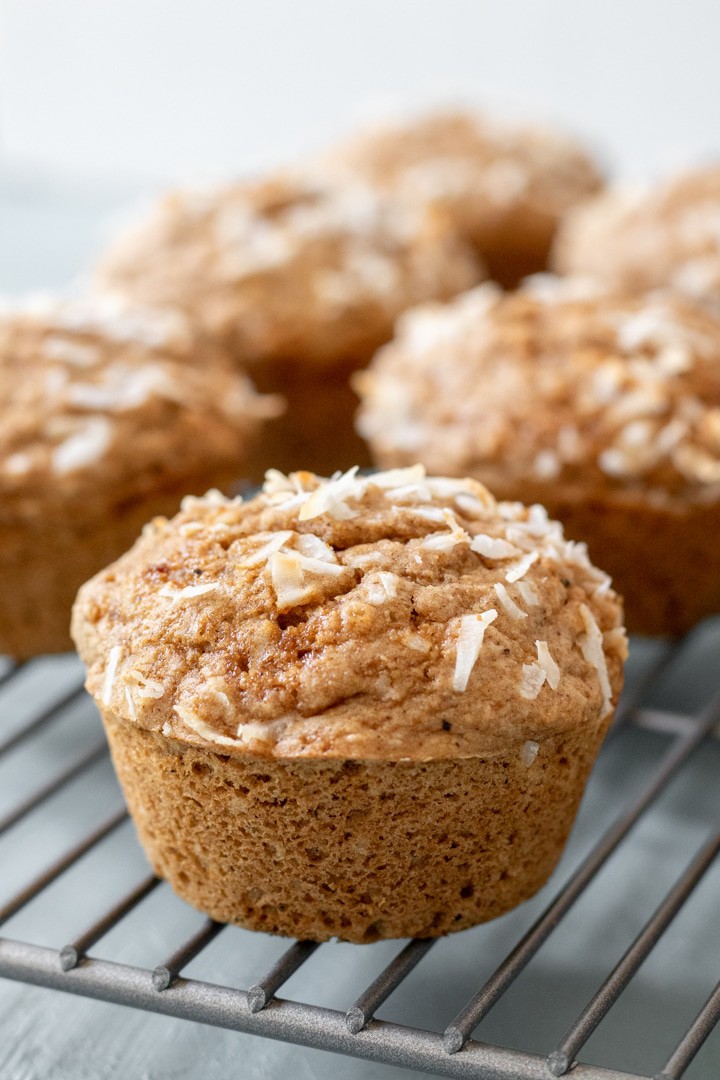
605	409
643	239
505	186
104	423
363	707
302	281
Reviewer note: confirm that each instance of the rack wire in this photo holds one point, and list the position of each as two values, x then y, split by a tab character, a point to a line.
76	965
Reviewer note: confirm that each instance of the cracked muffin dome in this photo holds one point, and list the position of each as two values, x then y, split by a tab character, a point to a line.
104	424
504	185
605	408
399	653
302	280
635	240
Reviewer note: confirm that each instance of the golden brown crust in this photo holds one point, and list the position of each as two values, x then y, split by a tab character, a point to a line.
504	186
560	383
635	240
360	850
395	617
291	269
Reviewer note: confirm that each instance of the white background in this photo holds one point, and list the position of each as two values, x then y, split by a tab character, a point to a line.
150	91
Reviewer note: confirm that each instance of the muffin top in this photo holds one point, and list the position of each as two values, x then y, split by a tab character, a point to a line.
637	240
291	268
479	169
560	382
393	616
101	400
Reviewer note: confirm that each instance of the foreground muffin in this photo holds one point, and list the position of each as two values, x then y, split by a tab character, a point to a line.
104	422
638	240
364	707
605	409
505	186
302	281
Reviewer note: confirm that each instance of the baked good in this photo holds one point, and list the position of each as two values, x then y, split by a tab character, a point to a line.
638	239
505	185
604	408
363	707
104	422
302	281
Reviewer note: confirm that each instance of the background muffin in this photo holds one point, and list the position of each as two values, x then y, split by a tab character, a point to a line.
637	240
103	423
605	409
363	708
302	281
505	186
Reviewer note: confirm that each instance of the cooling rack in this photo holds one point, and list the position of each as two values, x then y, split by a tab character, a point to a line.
51	743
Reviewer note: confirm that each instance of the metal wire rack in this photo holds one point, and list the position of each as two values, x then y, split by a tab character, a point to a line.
76	964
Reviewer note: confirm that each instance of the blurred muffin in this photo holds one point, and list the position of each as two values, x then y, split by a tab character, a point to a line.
104	422
302	281
638	240
505	186
364	708
605	409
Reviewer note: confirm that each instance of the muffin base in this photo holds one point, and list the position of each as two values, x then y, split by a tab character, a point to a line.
317	431
359	850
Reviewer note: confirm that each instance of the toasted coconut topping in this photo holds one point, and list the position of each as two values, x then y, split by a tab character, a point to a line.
531	389
528	752
591	646
132	710
203	729
507	602
546	662
288	580
492	548
263	553
189	592
469	643
112	664
521	567
529	593
532	679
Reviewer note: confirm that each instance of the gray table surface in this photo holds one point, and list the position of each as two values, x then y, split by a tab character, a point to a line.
47	234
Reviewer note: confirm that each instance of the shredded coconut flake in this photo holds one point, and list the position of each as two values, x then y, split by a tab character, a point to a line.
189	592
529	593
528	752
288	580
112	664
382	590
263	553
193	721
469	643
330	497
521	567
508	603
548	664
416	642
491	547
532	678
322	566
130	704
591	646
82	448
